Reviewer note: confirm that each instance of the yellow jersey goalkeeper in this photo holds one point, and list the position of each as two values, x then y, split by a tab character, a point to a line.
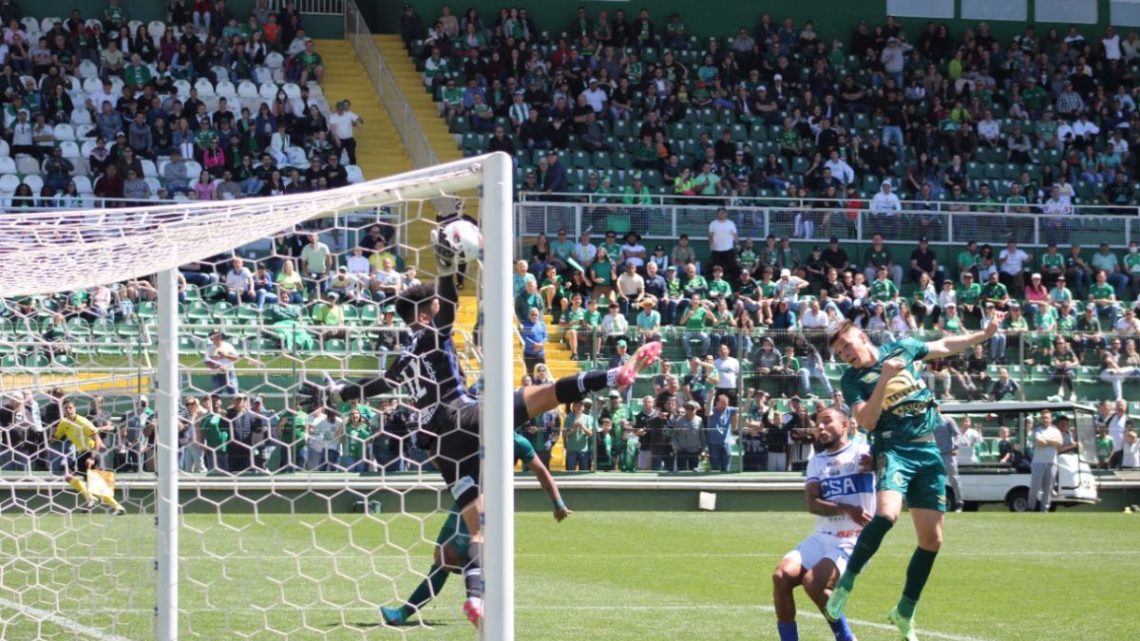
85	438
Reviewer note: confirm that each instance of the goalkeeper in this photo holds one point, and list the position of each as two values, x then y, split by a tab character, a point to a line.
85	438
453	540
447	414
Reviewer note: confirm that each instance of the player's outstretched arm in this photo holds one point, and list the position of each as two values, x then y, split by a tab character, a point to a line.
950	345
313	395
551	488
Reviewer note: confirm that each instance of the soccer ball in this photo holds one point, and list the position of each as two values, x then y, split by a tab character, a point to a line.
464	240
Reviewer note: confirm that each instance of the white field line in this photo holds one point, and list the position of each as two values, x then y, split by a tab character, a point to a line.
61	621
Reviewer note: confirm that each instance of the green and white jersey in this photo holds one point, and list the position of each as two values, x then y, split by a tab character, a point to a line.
1099	291
884	290
909	411
970	295
1050	262
1132	263
719	288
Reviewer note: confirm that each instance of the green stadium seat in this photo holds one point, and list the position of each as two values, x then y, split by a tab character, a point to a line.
222	310
147	309
601	160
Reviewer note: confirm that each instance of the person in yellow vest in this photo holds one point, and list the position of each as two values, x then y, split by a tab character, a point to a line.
85	437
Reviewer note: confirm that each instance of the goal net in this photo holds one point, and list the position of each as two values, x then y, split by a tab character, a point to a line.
151	360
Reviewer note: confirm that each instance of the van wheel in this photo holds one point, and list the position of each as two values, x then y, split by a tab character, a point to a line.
970	506
1018	499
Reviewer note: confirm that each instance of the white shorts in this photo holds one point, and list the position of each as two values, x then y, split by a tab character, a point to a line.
819	546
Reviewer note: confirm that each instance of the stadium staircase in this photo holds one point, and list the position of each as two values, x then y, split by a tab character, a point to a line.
446	149
379	151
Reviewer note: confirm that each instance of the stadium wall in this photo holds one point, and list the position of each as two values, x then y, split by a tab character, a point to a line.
316	26
834	18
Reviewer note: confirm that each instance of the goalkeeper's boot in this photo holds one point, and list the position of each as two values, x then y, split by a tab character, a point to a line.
393	616
905	625
89	505
473	608
119	511
836	602
645	356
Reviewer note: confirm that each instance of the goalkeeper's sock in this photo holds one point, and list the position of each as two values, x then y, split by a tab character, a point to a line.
427	590
841	629
917	572
110	502
473	573
80	487
569	389
865	548
788	631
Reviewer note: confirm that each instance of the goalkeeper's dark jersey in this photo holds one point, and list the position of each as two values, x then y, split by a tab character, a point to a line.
428	368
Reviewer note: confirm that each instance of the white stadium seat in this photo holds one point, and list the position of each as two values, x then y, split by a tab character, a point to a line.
4	153
63	131
80	116
247	89
267	90
153	183
88	69
315	90
35	182
70	149
92	85
354	174
156	28
149	168
296	157
7	165
9	183
193	169
182	87
86	148
83	131
262	75
83	184
47	23
27	165
225	88
292	91
204	87
274	60
81	167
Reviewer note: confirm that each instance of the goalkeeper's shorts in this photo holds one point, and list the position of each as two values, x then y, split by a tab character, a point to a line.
78	462
458	444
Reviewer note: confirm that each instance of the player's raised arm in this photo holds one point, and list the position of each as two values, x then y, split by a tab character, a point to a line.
550	487
950	345
448	295
868	413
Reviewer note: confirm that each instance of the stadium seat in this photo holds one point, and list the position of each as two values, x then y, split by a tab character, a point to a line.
34	182
92	84
247	89
149	168
83	132
182	87
32	26
267	90
88	70
64	132
355	175
154	185
292	91
80	117
70	150
7	167
204	87
274	60
26	165
48	22
155	28
83	184
262	75
226	89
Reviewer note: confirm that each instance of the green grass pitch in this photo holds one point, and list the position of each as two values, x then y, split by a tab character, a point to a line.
601	576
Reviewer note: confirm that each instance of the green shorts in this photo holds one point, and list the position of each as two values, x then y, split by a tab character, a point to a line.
454	532
914	470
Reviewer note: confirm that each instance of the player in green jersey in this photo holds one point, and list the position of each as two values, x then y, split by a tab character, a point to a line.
451	542
888	398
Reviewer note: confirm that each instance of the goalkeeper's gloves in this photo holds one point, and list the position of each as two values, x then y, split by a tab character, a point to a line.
444	254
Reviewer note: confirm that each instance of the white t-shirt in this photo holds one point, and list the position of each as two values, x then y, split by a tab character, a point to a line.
340	125
728	369
239	279
841	171
723	235
635	260
814	319
315	257
1111	47
1116	430
358	265
1012	262
882	202
630	285
322	433
596	98
223	364
840	481
966	442
1045	454
1131	455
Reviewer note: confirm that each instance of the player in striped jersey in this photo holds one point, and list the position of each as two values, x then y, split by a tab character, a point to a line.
840	490
85	438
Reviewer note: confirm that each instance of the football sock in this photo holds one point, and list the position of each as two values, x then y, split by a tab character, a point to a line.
917	572
841	629
473	573
569	389
788	631
111	502
80	487
865	548
425	591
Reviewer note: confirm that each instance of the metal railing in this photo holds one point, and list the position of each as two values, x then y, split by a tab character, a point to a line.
313	7
668	221
392	97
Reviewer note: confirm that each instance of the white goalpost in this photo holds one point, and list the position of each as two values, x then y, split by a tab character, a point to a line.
278	549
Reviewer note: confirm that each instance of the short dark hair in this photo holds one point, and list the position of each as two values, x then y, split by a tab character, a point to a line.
410	301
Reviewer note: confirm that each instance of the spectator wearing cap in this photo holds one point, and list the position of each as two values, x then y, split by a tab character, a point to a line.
555	181
886	210
637	193
221	356
648	319
329	317
686	434
614	327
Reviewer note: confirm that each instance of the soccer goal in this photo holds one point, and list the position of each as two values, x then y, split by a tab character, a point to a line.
159	478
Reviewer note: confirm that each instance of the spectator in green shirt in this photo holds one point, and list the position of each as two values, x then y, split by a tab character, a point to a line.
968	262
995	293
1106	261
883	289
1103	296
357	434
579	428
1132	267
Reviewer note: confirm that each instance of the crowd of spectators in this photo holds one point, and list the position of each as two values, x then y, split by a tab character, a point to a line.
206	105
777	110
